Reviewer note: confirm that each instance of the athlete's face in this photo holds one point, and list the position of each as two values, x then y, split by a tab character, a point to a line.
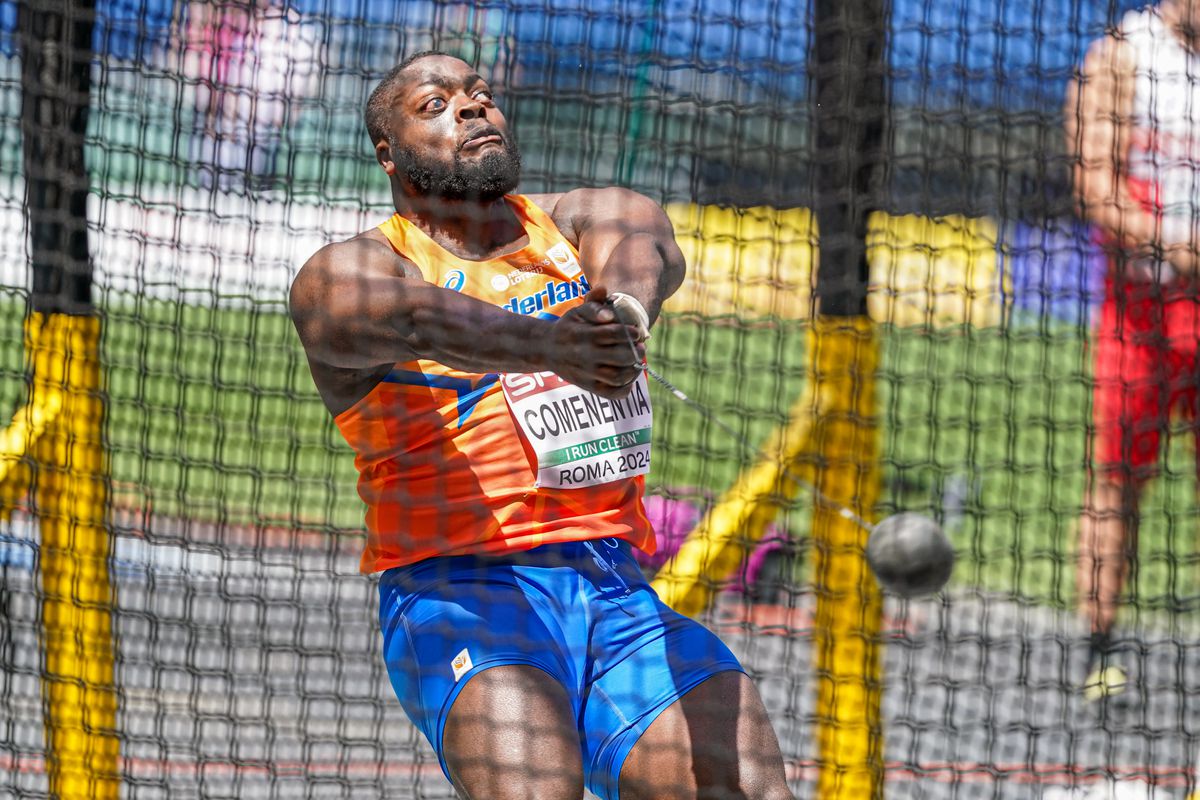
447	137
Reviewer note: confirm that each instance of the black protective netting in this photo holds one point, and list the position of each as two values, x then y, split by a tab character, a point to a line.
225	146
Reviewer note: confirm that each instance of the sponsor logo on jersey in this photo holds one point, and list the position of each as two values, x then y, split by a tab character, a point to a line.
564	259
455	279
500	282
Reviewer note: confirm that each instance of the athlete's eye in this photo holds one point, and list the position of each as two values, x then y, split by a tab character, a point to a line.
484	94
436	104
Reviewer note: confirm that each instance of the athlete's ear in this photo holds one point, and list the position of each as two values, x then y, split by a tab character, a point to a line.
383	154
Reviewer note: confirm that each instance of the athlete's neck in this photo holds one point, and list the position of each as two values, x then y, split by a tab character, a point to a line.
470	230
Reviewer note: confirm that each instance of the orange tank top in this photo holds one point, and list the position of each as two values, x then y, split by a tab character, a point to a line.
443	468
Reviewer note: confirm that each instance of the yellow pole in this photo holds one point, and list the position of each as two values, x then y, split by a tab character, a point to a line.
16	448
833	425
847	658
71	500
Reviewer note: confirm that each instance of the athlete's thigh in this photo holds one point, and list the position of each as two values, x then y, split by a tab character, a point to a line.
644	656
484	674
714	742
511	733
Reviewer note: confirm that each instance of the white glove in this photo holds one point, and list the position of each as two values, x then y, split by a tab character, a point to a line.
631	312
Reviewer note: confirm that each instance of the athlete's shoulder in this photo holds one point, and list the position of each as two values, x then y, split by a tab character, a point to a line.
546	201
599	198
576	210
365	255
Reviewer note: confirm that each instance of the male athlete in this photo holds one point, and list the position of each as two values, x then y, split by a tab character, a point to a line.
1132	124
481	351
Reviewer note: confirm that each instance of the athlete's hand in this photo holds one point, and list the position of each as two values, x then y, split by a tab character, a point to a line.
592	349
608	309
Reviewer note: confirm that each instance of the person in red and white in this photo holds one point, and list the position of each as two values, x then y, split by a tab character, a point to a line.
255	65
1132	123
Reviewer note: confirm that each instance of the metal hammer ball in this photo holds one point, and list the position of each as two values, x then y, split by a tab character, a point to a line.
910	554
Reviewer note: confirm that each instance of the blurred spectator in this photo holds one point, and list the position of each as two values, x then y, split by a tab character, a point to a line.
1132	119
765	575
255	62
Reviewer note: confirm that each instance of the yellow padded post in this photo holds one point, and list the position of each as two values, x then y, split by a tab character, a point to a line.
71	499
843	356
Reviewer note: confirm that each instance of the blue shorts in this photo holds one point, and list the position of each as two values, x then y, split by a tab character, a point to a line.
581	612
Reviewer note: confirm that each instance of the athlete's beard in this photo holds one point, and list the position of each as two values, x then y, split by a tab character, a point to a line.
487	178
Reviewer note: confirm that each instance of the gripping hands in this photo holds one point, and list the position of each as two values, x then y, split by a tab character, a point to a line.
600	344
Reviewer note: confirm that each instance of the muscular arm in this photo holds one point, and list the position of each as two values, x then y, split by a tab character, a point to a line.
358	307
626	243
1098	126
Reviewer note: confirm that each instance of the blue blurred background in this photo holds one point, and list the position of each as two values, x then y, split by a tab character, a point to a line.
688	100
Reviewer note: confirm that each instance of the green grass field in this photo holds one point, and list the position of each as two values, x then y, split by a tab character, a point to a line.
212	415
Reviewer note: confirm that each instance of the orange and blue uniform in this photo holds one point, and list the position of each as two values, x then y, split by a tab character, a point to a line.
442	467
483	564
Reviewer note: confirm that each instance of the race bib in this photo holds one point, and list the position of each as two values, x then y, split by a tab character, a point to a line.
579	438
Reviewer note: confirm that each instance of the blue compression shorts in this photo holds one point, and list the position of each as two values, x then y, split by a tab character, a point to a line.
581	612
